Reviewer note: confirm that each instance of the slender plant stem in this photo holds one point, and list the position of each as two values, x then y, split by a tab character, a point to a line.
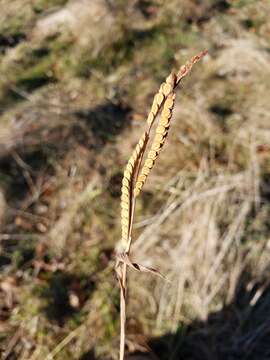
123	290
123	312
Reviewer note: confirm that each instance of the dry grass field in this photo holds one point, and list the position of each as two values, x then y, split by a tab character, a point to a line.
77	80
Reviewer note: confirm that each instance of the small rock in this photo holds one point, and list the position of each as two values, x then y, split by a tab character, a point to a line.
41	227
41	209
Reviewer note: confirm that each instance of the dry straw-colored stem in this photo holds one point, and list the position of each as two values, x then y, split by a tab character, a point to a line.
135	175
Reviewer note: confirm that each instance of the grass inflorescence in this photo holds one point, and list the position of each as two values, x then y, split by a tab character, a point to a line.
135	176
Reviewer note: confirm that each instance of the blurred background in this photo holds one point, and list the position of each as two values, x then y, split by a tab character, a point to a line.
77	80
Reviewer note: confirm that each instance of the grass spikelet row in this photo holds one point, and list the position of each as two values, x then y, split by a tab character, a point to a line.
165	89
185	69
129	174
127	185
159	139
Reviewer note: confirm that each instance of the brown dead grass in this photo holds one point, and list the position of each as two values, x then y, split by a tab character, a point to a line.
203	217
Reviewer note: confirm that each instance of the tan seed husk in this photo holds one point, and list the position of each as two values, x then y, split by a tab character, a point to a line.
145	171
159	97
158	138
161	130
125	221
125	181
165	121
156	146
132	161
141	142
125	190
149	163
169	103
166	113
167	89
124	213
152	155
127	174
129	165
136	192
150	118
139	184
142	178
125	205
171	79
154	108
125	197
